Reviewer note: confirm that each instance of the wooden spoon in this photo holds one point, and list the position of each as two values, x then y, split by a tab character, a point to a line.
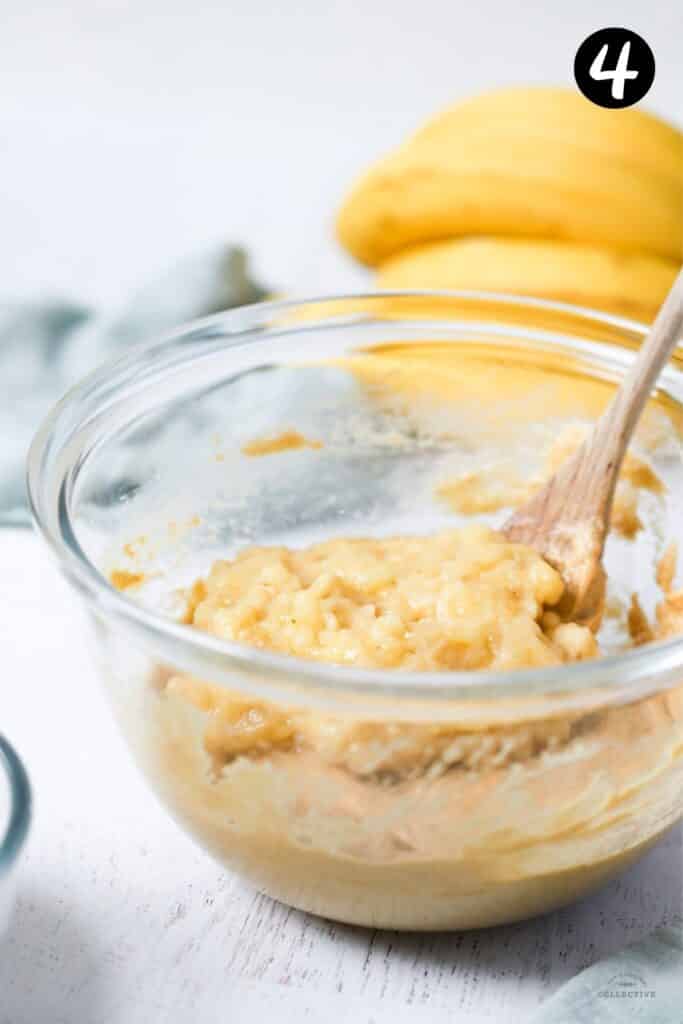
568	519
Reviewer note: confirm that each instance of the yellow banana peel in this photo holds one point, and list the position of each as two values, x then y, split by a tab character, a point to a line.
625	284
525	164
638	138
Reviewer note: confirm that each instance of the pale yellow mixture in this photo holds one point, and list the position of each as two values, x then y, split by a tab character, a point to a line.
505	813
286	440
495	487
462	599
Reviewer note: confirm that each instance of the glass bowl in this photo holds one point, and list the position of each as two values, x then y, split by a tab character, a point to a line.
380	797
15	816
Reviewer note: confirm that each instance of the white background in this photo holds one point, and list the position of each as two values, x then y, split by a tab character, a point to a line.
132	134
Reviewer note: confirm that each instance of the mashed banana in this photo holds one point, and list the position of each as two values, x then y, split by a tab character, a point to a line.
287	440
452	823
463	599
496	487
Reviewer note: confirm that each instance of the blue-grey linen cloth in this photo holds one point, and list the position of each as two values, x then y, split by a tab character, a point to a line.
644	982
46	346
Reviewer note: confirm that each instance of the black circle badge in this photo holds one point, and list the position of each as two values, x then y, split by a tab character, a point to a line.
614	67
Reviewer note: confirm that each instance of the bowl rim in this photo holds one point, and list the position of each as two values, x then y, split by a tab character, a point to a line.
223	658
19	818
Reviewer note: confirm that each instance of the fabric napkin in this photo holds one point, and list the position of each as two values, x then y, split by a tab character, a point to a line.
46	346
644	982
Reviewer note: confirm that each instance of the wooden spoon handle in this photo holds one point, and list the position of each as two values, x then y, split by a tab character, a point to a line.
602	455
567	520
630	400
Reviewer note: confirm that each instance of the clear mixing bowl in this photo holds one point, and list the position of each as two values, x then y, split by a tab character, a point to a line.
378	797
15	817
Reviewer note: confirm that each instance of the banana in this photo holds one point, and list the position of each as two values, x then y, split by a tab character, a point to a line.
529	163
626	284
638	138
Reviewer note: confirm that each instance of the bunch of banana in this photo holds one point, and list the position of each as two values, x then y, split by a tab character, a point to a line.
534	191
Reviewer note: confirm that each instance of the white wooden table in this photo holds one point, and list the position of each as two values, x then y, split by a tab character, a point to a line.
122	920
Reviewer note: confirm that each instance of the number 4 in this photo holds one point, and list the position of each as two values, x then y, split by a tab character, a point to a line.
619	75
